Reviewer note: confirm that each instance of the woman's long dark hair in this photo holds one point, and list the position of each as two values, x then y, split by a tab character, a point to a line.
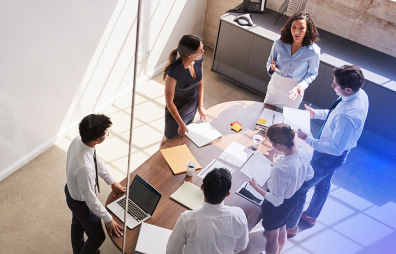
188	45
312	34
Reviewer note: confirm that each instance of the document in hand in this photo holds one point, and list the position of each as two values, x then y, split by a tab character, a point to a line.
247	191
177	158
258	167
189	195
202	133
268	117
147	235
297	118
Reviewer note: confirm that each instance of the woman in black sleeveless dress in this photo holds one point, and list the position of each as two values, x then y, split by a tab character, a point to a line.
183	87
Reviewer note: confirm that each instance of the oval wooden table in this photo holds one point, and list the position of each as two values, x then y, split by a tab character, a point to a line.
156	171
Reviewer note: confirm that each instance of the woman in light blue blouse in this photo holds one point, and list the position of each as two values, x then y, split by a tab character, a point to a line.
294	62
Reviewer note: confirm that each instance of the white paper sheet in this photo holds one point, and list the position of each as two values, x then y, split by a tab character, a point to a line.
236	154
212	165
258	167
271	117
297	118
202	133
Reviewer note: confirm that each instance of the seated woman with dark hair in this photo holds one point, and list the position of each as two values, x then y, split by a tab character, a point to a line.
287	176
293	63
183	87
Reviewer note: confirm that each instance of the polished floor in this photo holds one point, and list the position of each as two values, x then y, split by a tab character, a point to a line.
359	216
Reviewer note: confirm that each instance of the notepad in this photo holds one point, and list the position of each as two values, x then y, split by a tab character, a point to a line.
202	133
177	158
152	239
189	195
268	117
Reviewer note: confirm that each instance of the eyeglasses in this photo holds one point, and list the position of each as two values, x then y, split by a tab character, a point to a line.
200	52
107	133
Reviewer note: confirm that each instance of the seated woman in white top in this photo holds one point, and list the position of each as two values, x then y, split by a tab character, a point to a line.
287	176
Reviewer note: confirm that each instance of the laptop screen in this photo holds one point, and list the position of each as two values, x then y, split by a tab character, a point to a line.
144	195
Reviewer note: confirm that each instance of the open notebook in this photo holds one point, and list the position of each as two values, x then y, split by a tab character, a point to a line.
202	133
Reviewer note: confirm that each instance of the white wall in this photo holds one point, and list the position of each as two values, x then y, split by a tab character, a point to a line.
61	60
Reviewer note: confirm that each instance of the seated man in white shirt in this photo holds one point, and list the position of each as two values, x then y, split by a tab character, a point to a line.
214	228
82	170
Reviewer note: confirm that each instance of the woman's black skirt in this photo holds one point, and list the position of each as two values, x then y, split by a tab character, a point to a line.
276	217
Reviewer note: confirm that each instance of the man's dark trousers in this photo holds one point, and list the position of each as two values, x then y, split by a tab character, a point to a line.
84	220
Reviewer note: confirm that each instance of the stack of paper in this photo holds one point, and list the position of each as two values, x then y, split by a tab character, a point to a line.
189	195
152	239
177	158
268	117
202	133
297	119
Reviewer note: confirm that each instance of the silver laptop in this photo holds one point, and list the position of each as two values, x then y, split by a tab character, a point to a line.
143	199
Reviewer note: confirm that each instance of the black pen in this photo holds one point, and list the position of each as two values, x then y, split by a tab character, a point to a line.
273	119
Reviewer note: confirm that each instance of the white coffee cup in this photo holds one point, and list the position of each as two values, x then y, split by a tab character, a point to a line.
257	139
191	168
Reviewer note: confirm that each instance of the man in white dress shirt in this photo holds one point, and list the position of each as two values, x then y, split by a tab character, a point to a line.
214	228
342	128
82	171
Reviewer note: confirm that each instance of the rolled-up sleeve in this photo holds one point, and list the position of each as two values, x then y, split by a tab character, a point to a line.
278	187
313	69
273	55
86	181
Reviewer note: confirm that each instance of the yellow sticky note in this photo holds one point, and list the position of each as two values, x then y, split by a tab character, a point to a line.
262	121
236	127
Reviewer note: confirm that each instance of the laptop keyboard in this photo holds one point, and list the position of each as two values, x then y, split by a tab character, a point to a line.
133	210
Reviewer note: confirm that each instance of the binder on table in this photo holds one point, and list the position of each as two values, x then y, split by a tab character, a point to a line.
177	158
269	117
202	133
152	239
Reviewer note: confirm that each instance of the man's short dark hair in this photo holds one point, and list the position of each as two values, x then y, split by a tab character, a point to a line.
349	76
93	126
216	185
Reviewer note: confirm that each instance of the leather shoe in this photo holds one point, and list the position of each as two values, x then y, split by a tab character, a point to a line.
310	221
292	232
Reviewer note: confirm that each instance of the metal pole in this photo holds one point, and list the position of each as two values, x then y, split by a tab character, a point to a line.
130	131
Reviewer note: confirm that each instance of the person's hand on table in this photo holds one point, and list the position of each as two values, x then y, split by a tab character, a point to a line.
202	113
273	66
182	129
114	228
296	91
311	112
302	134
117	188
